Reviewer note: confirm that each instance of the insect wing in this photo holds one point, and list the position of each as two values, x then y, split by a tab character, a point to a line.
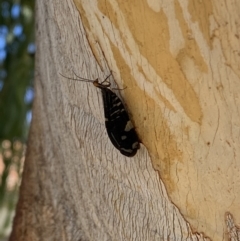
119	127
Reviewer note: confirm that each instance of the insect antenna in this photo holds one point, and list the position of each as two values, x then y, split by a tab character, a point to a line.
83	79
95	82
78	78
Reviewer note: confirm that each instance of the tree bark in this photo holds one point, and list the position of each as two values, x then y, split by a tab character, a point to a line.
180	63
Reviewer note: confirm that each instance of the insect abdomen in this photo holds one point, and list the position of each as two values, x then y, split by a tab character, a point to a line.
119	127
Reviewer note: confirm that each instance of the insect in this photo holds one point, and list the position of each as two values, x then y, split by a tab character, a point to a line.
118	125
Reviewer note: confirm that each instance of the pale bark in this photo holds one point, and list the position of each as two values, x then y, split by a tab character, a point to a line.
180	63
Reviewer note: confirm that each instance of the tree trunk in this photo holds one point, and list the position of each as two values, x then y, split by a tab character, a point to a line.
179	62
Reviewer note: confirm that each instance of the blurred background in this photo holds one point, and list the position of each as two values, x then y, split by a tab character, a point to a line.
17	51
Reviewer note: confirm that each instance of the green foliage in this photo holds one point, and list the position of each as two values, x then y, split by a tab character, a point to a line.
16	80
16	71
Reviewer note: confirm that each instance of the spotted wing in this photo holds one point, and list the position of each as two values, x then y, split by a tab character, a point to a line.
119	127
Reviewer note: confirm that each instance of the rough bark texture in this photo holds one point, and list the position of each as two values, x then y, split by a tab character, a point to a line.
180	63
